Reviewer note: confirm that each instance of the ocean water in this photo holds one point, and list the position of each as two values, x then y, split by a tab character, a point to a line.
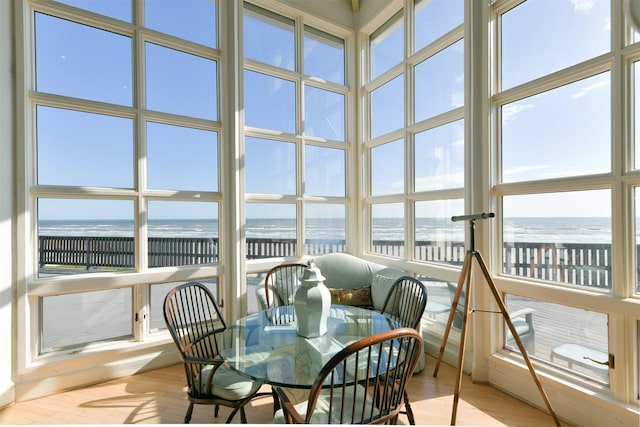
547	230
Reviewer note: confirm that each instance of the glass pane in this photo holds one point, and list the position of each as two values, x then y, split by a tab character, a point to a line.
387	107
637	207
636	121
181	158
269	102
253	281
84	236
270	166
562	132
115	9
435	18
182	233
84	149
193	20
439	81
324	228
268	37
387	232
271	230
387	168
168	89
561	237
439	157
324	114
324	171
561	335
323	55
439	303
387	45
156	301
572	33
83	62
437	238
76	319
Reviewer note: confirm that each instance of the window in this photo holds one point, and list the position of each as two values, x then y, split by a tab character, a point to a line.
171	93
572	338
325	114
439	82
636	128
125	184
270	102
387	168
530	51
637	240
387	234
268	37
387	107
60	326
98	154
296	140
439	157
386	45
324	55
78	51
437	238
556	187
450	14
577	142
574	248
415	142
276	161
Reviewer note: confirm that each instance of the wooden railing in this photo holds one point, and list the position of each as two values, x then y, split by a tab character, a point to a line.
99	251
573	263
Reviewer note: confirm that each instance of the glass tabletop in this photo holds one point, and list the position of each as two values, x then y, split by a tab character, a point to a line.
265	346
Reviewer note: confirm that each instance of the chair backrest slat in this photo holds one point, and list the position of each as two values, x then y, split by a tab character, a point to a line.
194	320
406	301
283	280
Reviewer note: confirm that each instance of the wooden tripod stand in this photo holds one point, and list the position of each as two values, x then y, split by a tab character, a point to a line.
465	282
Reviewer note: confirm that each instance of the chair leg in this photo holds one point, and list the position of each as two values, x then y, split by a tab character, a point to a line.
233	414
243	416
276	400
187	416
216	411
409	411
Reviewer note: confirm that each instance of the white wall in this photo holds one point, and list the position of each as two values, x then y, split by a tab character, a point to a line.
7	137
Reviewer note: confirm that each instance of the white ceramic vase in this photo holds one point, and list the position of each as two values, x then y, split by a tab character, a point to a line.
312	303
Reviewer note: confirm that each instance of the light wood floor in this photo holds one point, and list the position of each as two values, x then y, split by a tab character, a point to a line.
158	397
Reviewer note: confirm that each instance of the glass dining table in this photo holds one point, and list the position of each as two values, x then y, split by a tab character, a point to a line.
266	347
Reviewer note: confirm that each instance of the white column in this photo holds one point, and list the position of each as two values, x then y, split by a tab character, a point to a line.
7	147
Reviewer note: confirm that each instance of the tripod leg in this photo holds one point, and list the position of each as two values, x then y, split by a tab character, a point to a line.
454	305
463	340
516	337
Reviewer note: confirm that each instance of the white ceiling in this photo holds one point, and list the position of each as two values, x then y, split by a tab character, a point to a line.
341	11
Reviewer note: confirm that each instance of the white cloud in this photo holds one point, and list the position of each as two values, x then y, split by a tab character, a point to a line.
438	182
582	5
546	171
523	170
589	89
509	112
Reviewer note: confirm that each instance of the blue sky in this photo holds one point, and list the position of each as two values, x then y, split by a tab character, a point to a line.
562	132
